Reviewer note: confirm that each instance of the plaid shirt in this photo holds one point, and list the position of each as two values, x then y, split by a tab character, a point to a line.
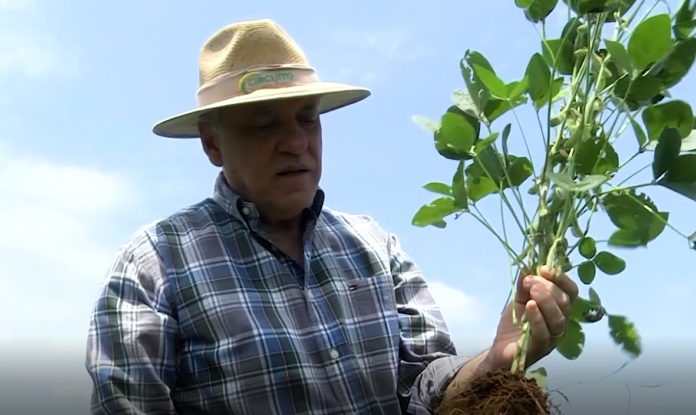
201	314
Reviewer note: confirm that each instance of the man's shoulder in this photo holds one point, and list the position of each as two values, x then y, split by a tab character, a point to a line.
173	227
362	226
357	222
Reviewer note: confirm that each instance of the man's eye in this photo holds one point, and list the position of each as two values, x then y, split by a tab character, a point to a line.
264	126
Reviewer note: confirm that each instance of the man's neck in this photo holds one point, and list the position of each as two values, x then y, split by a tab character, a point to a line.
287	236
287	228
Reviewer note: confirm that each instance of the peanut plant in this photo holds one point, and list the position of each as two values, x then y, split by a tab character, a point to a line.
605	77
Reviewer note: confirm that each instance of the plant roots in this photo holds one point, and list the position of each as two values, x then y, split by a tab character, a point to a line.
499	393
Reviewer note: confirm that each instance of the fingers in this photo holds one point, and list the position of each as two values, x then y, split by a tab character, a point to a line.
562	281
537	324
552	303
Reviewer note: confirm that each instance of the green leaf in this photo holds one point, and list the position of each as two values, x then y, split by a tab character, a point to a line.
516	89
620	55
519	170
573	341
587	183
461	199
587	247
609	263
495	85
506	135
666	152
481	145
636	217
687	144
596	157
594	297
435	211
480	187
480	96
488	163
587	272
601	6
650	41
473	86
495	108
684	20
675	113
441	224
456	132
625	334
640	134
439	188
538	10
428	125
538	78
678	62
579	308
643	90
681	176
540	376
562	51
553	95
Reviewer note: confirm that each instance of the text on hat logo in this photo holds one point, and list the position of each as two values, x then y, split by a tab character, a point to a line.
255	80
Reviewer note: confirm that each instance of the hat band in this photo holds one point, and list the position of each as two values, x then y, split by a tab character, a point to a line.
238	84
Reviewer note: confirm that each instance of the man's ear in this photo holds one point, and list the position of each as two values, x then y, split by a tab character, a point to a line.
209	141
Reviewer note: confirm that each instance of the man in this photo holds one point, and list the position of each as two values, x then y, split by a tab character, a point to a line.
260	300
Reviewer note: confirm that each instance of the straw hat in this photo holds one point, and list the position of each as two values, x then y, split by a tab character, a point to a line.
254	61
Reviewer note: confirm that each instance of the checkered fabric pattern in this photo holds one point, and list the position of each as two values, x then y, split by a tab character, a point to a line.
201	314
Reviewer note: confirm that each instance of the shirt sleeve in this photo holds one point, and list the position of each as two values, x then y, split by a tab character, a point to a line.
428	359
131	346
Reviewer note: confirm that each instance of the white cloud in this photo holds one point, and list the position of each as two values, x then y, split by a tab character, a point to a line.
56	241
57	209
16	5
26	50
470	322
459	309
389	45
366	56
34	54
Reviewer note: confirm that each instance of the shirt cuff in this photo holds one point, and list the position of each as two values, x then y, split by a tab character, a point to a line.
430	385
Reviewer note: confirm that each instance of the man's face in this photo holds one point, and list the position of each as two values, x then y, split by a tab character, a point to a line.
270	153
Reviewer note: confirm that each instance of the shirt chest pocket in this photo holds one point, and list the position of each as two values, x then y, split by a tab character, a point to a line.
366	306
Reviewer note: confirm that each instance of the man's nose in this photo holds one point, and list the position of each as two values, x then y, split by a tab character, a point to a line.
294	138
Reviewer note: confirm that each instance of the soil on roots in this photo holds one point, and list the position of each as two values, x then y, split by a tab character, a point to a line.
499	393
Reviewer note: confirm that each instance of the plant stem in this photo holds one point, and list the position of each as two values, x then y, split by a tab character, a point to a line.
552	228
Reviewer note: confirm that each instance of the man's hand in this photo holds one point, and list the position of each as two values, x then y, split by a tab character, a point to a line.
547	300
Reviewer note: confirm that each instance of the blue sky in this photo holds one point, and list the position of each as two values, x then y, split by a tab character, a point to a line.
82	83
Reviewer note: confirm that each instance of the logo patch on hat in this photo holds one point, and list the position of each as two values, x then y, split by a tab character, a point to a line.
253	81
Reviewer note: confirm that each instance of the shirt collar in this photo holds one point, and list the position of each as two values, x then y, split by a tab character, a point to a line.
247	213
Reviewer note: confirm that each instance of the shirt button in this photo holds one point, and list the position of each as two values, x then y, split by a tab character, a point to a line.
245	211
310	295
334	354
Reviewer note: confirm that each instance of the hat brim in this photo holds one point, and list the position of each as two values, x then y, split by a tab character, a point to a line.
334	96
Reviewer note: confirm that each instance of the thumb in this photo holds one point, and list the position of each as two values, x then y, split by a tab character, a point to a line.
521	292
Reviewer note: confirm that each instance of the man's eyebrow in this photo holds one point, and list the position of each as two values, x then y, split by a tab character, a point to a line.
311	107
261	111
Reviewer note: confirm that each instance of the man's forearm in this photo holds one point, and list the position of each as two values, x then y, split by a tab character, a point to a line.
478	365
